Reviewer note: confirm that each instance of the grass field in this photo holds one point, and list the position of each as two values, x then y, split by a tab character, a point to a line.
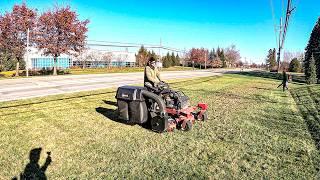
255	131
80	71
121	70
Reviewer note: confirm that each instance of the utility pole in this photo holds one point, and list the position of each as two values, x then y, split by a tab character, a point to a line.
279	46
283	31
27	61
205	60
159	61
184	57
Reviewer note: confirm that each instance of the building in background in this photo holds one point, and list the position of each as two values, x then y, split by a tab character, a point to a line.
101	58
35	60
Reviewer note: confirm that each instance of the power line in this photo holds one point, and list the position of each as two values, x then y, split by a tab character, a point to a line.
136	45
274	22
109	51
288	14
114	45
118	42
283	30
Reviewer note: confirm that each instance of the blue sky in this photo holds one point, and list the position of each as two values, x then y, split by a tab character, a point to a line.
248	24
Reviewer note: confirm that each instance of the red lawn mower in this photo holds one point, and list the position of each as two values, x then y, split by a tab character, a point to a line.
165	109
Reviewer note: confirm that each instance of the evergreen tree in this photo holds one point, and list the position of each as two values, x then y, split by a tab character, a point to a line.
166	61
177	62
271	59
312	74
223	58
294	65
218	52
173	59
212	55
152	54
313	49
169	59
217	63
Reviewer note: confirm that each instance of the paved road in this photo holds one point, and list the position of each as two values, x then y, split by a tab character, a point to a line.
15	89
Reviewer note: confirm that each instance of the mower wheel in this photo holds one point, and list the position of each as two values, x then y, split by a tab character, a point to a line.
188	126
204	116
159	124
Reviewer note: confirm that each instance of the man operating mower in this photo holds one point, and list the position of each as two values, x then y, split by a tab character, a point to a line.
152	75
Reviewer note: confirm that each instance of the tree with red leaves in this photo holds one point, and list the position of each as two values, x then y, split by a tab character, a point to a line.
199	56
13	34
61	32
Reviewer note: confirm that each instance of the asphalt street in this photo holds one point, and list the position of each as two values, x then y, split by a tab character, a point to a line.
24	88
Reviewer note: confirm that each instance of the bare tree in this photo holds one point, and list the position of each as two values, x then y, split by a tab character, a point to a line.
120	58
107	57
232	55
288	56
86	56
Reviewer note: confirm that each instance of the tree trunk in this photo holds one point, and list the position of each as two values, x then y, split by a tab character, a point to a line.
83	64
17	69
55	66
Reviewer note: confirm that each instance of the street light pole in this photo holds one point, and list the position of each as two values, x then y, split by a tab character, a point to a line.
27	61
205	60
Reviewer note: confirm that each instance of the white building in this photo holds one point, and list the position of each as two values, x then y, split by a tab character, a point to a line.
36	60
102	58
90	58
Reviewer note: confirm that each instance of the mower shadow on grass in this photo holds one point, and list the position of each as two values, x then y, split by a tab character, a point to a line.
112	114
110	102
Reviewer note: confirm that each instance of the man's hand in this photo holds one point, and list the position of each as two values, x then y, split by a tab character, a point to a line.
48	159
163	85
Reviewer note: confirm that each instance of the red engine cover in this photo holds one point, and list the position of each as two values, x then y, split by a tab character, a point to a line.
203	106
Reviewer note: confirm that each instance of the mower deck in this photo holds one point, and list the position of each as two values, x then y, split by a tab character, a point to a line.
166	109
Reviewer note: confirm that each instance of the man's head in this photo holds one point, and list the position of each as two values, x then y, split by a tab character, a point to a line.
34	155
152	62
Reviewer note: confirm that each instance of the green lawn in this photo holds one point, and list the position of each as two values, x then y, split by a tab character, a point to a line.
121	70
308	100
10	74
255	131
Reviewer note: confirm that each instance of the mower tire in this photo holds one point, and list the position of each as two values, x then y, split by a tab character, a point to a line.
204	116
159	124
188	126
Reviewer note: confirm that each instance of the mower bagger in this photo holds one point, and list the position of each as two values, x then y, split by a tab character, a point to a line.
163	108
